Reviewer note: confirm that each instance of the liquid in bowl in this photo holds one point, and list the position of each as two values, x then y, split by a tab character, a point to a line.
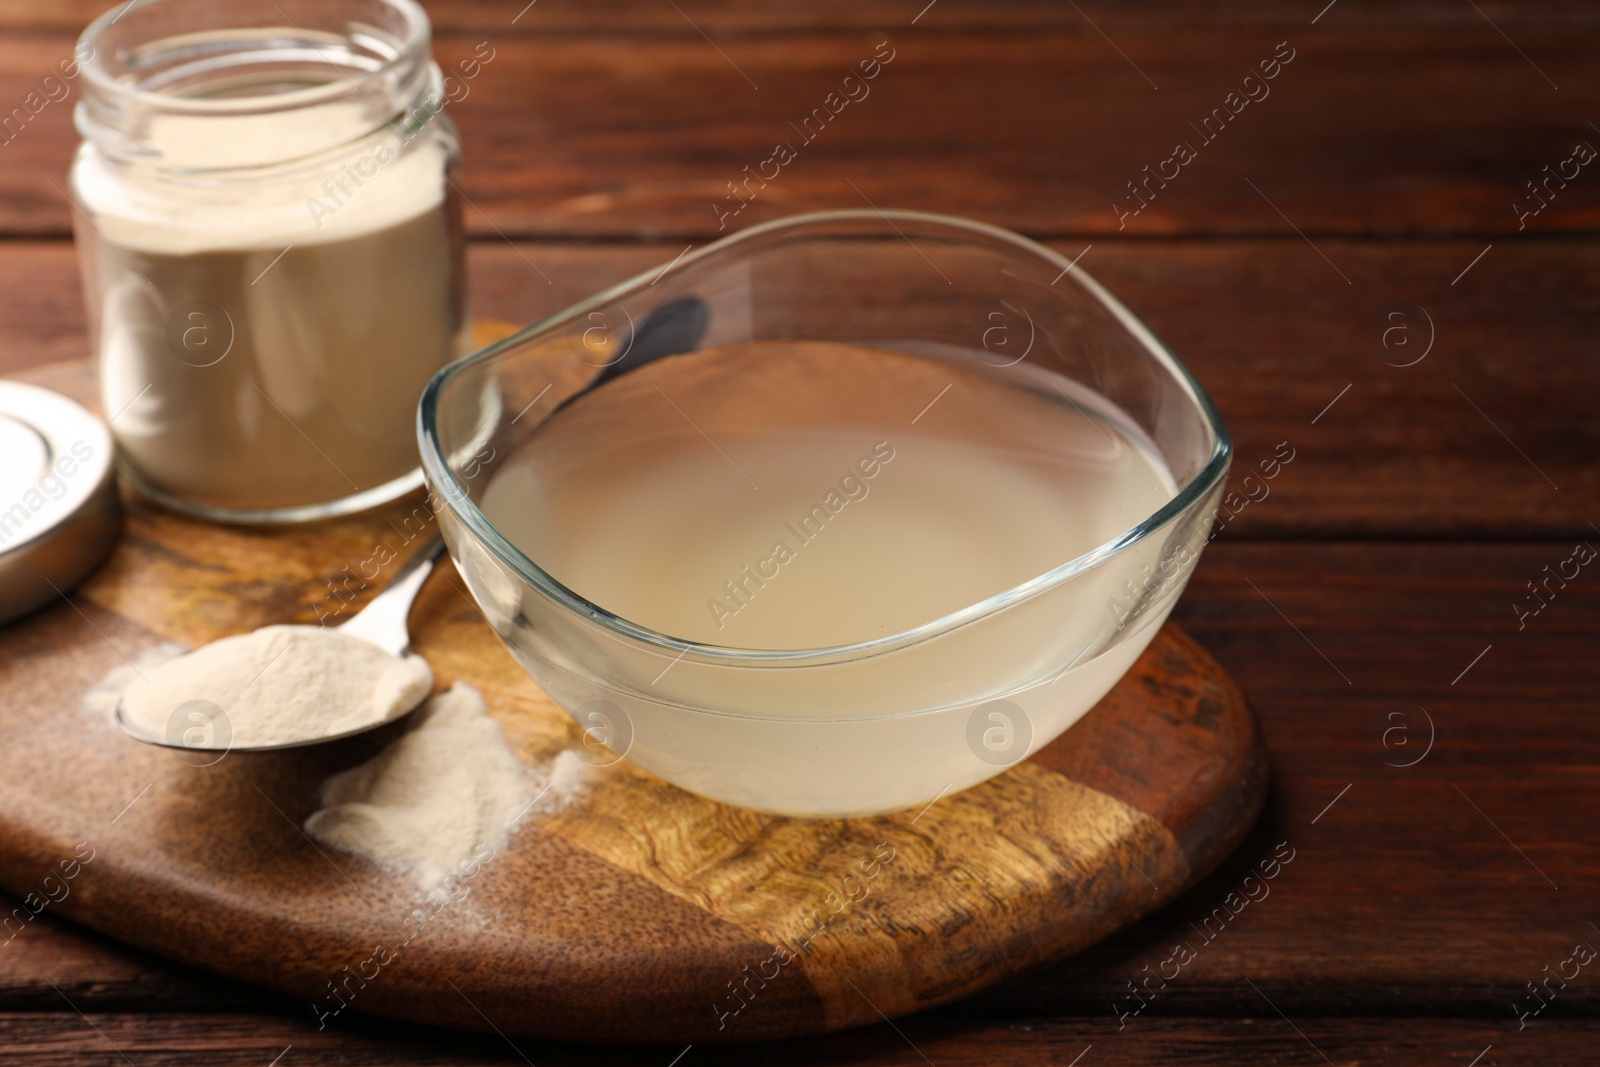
736	497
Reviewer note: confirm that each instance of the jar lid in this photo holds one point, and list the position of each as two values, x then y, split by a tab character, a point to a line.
58	496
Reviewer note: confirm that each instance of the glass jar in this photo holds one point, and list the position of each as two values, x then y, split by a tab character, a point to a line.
269	231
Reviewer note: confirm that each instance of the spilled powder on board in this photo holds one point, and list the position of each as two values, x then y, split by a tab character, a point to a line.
568	780
433	798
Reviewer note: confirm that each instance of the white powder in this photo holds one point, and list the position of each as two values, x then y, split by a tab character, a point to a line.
279	685
569	778
431	800
100	701
394	180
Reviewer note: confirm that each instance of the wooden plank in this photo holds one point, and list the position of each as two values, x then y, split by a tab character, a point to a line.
1272	333
1041	131
1402	895
51	954
1428	887
41	305
735	18
1261	1037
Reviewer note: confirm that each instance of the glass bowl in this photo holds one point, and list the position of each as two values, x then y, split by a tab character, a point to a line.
807	345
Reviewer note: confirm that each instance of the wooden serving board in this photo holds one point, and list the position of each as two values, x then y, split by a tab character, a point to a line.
635	913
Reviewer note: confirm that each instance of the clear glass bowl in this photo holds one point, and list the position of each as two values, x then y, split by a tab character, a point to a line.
892	720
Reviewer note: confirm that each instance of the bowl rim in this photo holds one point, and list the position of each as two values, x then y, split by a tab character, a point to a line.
456	495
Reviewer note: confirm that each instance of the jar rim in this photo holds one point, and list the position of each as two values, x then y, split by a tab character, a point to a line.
400	71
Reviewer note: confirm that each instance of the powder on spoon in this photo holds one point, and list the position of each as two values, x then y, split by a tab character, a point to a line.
280	685
433	798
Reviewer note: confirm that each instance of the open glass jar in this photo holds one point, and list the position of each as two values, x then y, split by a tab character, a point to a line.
270	238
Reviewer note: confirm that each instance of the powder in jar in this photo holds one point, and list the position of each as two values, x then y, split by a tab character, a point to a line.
433	798
273	258
280	685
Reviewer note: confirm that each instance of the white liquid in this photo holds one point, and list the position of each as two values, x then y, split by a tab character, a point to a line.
675	496
765	532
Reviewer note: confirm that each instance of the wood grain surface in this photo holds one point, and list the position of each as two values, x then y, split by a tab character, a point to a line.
624	137
232	1040
633	912
766	17
1397	143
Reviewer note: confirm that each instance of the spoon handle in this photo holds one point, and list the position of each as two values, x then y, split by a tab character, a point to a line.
383	621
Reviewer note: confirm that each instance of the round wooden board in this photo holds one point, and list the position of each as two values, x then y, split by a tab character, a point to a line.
633	911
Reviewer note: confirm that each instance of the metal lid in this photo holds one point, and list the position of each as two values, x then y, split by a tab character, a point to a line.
58	498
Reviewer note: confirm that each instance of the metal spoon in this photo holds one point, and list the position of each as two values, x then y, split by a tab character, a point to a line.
381	623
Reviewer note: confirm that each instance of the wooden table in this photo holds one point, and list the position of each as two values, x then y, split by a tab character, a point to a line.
1351	265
